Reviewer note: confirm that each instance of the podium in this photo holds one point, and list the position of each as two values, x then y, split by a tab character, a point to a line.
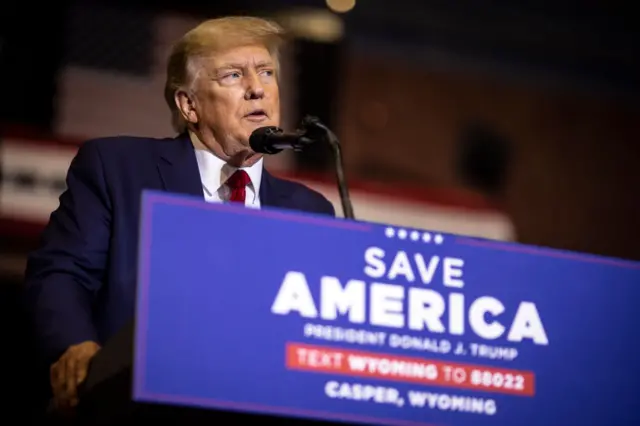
253	314
107	400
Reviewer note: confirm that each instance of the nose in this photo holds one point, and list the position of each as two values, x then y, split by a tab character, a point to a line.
254	87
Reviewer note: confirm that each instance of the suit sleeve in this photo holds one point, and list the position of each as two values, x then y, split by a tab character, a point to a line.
64	274
327	208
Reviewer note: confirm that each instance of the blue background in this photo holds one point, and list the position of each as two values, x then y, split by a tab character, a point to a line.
205	330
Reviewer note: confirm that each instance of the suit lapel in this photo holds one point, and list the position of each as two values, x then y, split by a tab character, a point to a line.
273	192
178	167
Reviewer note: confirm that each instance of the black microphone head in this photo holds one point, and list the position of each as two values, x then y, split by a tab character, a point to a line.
261	140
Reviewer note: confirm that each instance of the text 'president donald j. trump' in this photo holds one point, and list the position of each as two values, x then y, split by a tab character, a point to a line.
222	84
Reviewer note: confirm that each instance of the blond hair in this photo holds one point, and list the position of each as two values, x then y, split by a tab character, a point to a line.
207	39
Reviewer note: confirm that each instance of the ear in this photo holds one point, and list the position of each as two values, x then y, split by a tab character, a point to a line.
186	103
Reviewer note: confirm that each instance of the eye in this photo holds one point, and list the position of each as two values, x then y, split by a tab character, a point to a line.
231	76
267	73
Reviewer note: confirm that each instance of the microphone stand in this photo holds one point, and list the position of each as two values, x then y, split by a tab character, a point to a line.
315	130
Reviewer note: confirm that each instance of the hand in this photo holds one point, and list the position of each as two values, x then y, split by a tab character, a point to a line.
69	371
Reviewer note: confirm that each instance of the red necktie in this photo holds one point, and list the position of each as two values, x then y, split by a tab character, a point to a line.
238	183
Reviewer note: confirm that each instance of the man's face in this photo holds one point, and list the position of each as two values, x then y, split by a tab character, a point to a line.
235	93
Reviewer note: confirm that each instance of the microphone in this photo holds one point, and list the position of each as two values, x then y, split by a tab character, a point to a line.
272	140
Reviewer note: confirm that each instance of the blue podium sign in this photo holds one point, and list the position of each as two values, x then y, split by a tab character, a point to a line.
283	313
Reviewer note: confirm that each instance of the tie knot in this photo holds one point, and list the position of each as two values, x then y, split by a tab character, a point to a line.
240	179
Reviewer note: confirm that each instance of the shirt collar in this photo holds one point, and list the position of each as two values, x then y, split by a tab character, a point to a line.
214	171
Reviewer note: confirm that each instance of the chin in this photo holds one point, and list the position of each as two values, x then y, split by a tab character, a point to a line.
256	126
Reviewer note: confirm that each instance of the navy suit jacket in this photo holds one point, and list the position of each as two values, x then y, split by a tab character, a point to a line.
80	282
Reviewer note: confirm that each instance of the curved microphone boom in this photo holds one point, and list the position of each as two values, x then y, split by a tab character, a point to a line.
272	140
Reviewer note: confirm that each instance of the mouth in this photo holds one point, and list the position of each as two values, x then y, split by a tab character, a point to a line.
257	115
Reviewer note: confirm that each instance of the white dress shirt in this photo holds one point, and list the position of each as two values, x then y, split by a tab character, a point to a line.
214	172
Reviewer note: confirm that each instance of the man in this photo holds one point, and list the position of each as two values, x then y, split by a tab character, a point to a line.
221	86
